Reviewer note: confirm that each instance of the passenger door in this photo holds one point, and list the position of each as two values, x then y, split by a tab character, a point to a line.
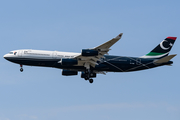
54	55
20	53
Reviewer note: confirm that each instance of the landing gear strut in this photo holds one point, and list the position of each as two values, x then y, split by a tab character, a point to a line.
88	72
21	69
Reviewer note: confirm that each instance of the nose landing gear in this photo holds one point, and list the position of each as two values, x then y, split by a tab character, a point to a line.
21	69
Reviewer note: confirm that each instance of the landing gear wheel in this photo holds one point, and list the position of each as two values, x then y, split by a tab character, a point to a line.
90	80
86	78
21	69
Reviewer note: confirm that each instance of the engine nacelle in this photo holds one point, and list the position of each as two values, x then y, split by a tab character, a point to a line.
69	72
89	52
68	62
92	75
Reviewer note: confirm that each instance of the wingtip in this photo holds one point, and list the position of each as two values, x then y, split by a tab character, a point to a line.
119	36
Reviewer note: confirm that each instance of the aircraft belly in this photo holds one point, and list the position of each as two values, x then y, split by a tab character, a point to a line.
34	62
125	66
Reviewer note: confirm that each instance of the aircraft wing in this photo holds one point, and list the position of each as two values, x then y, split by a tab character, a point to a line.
101	49
109	43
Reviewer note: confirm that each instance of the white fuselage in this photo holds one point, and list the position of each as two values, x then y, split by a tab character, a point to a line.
40	54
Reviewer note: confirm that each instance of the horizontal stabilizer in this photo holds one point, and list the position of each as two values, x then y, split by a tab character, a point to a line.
165	59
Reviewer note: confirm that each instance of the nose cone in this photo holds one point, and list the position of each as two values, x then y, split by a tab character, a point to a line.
5	56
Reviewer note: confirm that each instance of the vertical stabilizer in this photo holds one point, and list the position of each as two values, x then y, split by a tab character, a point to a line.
162	49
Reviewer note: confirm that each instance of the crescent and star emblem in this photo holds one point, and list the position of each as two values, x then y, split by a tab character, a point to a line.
164	48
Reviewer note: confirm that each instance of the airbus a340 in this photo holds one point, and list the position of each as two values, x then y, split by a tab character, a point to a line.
91	62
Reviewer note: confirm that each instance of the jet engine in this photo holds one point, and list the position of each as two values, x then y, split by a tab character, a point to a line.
68	62
89	52
69	72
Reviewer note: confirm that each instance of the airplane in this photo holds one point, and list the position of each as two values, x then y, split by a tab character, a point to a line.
93	61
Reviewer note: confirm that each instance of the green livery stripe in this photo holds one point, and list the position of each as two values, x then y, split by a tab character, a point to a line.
154	54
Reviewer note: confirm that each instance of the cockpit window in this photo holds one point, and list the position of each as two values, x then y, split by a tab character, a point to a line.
15	53
11	53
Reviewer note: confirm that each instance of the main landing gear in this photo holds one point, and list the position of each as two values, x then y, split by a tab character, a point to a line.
87	75
21	69
90	80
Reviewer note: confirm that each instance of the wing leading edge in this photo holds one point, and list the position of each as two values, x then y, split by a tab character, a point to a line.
102	49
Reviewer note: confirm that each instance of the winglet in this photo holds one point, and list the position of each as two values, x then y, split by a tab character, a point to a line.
165	59
119	36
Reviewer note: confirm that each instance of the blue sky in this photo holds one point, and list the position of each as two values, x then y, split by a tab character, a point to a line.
43	93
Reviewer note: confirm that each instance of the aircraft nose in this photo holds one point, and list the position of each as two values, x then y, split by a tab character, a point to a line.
5	56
